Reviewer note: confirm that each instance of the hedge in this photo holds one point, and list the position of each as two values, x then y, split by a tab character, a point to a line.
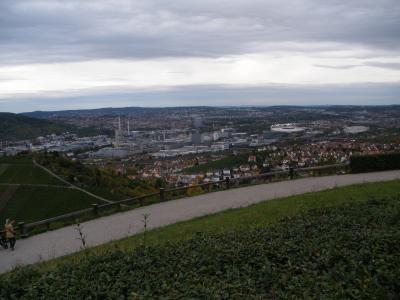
379	162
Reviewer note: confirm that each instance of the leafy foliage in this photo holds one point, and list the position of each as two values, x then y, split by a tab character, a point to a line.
228	162
381	162
345	252
106	183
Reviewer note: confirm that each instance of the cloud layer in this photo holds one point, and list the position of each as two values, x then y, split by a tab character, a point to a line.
80	30
157	43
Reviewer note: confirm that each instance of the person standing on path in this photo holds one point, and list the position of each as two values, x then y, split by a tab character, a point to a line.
10	233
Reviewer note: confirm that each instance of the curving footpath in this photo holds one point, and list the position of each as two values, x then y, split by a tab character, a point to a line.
64	241
69	184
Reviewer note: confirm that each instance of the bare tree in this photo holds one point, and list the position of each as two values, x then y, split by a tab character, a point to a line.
81	237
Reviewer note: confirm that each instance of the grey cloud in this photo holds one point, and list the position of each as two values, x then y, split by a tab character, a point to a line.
34	31
342	67
391	66
384	65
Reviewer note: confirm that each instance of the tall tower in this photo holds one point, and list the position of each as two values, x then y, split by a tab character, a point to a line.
129	132
118	133
198	122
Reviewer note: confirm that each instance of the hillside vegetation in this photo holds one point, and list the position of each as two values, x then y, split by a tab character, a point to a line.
19	127
28	193
350	251
104	182
15	127
227	162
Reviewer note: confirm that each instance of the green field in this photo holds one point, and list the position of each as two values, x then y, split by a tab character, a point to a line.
26	174
16	160
28	193
21	170
36	203
337	244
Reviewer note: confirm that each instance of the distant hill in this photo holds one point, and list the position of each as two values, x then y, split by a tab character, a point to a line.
18	127
157	110
112	111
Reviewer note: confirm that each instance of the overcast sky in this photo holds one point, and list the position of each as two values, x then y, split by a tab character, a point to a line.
83	54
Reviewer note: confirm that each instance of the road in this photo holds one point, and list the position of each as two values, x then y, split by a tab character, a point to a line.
64	241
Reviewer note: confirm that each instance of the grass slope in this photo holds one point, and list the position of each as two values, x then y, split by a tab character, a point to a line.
27	202
342	252
31	204
26	174
16	160
242	219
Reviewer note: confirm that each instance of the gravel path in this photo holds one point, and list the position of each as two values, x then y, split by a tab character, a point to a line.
64	241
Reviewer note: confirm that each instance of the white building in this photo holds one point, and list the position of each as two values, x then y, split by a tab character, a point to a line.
287	128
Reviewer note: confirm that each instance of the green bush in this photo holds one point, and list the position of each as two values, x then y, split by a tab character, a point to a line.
346	252
379	162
